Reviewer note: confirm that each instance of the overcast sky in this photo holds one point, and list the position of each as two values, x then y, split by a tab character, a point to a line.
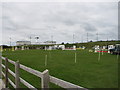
60	20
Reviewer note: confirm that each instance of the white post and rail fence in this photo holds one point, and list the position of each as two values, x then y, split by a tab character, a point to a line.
45	77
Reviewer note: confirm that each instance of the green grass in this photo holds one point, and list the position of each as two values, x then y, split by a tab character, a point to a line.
87	72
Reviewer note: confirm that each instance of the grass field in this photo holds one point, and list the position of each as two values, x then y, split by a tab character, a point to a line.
87	71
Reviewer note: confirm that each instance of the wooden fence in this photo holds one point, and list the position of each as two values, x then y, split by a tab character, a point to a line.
45	77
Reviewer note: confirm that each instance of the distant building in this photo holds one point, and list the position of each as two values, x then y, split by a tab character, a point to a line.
19	43
50	42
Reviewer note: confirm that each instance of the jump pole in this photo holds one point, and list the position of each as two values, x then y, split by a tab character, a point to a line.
99	56
50	54
117	56
102	51
75	57
45	60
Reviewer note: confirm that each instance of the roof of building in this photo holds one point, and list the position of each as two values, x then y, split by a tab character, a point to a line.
23	41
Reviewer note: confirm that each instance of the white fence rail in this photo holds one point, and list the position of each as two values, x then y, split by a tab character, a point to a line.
45	77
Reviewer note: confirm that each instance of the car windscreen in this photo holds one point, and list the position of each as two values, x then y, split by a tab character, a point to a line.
117	46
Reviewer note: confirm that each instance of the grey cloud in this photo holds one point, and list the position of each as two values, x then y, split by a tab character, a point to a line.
88	27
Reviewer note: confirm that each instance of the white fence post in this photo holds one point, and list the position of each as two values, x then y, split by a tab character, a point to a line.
6	73
17	78
45	80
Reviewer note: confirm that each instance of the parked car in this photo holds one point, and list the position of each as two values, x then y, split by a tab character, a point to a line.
116	49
